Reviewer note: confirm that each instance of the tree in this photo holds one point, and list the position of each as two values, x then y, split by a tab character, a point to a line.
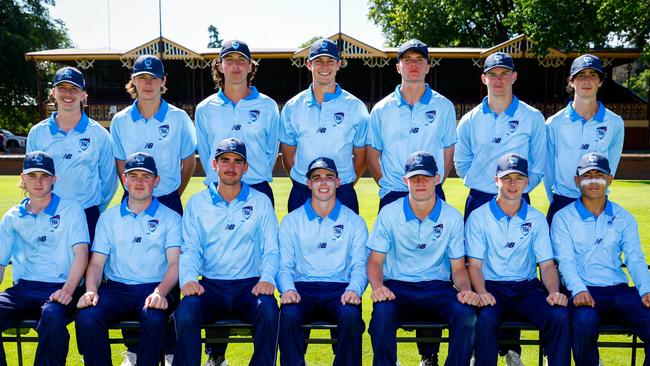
25	26
215	41
310	41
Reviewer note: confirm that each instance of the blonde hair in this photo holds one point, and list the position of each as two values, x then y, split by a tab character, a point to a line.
133	92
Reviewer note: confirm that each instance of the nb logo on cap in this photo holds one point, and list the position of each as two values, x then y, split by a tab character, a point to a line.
139	159
232	144
67	72
513	160
235	45
592	158
413	42
147	62
498	58
38	159
588	60
323	45
418	160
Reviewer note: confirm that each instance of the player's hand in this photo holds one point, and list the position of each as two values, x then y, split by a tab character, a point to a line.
584	299
645	299
155	301
557	298
263	288
61	296
468	297
350	297
90	298
290	297
486	299
382	293
192	288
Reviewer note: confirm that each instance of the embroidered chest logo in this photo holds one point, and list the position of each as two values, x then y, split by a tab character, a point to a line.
437	231
247	212
429	117
338	231
236	127
55	221
414	130
322	245
163	131
137	239
610	222
510	244
253	115
512	126
421	246
338	118
230	227
152	225
67	156
525	228
600	133
321	130
84	144
41	239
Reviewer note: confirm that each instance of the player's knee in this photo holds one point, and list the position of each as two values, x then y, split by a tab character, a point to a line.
585	321
188	312
384	316
53	319
290	314
153	318
267	309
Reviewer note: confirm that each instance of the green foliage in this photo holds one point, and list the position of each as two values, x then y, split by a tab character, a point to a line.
215	41
641	84
25	26
310	41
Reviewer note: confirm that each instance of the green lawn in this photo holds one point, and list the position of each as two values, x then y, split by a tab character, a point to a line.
633	195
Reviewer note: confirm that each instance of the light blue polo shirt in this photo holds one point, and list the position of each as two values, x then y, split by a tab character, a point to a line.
313	249
83	160
40	246
396	130
418	250
589	248
169	136
510	247
484	137
254	120
569	137
229	241
332	129
136	244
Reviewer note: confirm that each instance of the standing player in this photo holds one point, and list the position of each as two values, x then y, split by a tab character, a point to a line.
500	124
239	110
136	250
417	247
505	240
322	273
46	239
413	117
585	125
152	125
80	147
230	239
589	237
324	120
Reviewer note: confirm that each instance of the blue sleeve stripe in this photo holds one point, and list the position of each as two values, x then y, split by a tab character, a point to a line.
453	259
97	251
286	143
81	242
477	258
546	260
375	250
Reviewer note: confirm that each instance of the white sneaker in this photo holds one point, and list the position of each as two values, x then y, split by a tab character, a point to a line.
600	361
216	361
130	358
513	359
428	361
472	361
169	359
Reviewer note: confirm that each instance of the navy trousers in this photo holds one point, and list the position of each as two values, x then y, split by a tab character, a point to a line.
395	195
118	302
557	203
618	304
265	188
92	216
300	193
29	300
422	301
226	299
522	300
321	301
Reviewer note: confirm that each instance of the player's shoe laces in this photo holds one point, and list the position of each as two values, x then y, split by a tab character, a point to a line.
428	361
130	358
218	360
513	359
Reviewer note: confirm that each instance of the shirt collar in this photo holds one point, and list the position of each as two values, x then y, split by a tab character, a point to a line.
510	111
425	99
81	126
151	210
585	214
50	209
216	197
574	116
410	215
311	214
225	100
326	98
499	214
159	116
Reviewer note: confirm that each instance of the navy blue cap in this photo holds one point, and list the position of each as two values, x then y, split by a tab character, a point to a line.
149	64
512	163
70	75
235	46
231	145
498	59
421	163
321	163
324	47
141	161
38	161
413	45
587	61
593	161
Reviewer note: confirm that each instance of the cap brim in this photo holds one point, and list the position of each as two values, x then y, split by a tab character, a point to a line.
232	152
309	173
600	72
33	170
311	58
69	82
588	169
510	171
419	172
149	73
239	52
495	66
414	49
140	168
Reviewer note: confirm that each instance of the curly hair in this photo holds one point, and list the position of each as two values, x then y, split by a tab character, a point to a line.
133	92
218	78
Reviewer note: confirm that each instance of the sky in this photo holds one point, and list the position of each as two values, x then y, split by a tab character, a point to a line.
260	23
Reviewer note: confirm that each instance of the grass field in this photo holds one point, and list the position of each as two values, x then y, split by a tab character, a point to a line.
633	195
